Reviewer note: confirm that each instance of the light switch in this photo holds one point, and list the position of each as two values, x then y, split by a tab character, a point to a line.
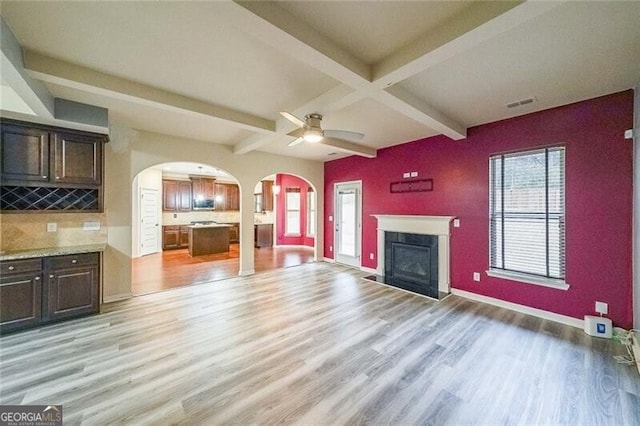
414	174
52	227
456	223
406	175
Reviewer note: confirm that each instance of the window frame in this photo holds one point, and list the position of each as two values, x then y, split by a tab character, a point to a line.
292	190
523	276
311	213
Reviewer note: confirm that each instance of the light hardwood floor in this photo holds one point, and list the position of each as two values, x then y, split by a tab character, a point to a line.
316	343
175	268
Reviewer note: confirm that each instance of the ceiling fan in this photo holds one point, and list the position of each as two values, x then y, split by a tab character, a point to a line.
311	131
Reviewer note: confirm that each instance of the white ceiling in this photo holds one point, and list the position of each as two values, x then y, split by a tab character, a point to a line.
397	71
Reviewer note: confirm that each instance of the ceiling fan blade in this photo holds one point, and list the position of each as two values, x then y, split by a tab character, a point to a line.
292	118
297	133
343	134
296	142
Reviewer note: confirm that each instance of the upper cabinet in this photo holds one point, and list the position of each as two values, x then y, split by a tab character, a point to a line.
76	159
267	195
176	195
44	168
58	157
227	197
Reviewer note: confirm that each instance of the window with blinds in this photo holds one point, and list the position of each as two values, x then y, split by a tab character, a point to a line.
526	213
292	218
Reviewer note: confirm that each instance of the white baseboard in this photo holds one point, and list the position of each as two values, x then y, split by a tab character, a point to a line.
635	339
247	272
563	319
368	270
116	297
329	260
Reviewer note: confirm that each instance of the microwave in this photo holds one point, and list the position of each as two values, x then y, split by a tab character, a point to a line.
204	204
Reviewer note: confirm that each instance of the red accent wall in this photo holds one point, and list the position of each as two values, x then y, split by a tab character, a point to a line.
290	181
598	201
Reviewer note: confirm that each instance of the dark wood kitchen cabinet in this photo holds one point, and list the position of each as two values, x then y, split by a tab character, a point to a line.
203	188
175	237
267	195
71	286
45	168
60	157
43	290
234	233
20	294
263	235
176	195
227	197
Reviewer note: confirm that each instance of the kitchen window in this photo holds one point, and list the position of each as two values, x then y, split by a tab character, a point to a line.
292	218
527	217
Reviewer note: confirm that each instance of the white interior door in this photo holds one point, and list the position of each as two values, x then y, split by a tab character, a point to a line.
348	223
150	221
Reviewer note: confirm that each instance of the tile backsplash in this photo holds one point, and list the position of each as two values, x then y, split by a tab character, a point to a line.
21	231
185	218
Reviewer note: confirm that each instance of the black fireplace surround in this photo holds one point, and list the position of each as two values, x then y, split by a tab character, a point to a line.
411	262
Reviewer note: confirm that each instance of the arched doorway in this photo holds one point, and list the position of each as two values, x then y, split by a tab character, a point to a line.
284	221
185	226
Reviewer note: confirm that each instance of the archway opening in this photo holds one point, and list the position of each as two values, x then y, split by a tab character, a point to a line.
284	221
185	226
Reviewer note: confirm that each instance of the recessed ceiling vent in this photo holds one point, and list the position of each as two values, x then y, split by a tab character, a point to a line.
521	102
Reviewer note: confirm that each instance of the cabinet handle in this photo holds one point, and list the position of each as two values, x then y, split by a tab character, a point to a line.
74	261
11	268
51	275
36	278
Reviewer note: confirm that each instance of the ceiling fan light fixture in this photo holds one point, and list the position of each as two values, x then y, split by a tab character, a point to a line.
313	135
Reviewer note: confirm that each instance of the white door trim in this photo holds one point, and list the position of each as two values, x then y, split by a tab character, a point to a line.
357	262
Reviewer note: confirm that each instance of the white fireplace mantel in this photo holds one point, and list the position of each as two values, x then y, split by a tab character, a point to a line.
413	224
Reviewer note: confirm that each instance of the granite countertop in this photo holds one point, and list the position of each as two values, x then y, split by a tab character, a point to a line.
212	225
51	251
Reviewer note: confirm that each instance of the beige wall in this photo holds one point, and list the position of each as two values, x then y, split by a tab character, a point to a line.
131	152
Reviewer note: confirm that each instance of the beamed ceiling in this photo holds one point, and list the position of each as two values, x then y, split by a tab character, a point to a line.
221	71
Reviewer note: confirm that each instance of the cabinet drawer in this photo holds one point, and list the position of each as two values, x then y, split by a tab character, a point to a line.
70	260
19	266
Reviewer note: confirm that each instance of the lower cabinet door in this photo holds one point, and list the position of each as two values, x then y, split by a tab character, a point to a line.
72	288
20	301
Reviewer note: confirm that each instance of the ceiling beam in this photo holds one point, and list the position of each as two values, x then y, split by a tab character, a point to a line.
34	93
66	74
474	25
273	25
350	147
407	103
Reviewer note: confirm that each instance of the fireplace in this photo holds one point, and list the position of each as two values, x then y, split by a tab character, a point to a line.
413	253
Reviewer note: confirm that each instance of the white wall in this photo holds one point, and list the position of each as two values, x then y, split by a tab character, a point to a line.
129	152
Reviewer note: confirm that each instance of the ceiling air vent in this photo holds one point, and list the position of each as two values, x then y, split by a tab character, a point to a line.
521	102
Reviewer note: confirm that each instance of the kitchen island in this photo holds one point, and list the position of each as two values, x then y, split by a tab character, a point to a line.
208	239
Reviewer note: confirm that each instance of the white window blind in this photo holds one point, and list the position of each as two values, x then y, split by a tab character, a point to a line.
292	219
526	217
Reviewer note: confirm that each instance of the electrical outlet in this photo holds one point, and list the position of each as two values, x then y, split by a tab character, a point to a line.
628	134
330	248
602	308
330	218
52	227
476	276
371	256
91	226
